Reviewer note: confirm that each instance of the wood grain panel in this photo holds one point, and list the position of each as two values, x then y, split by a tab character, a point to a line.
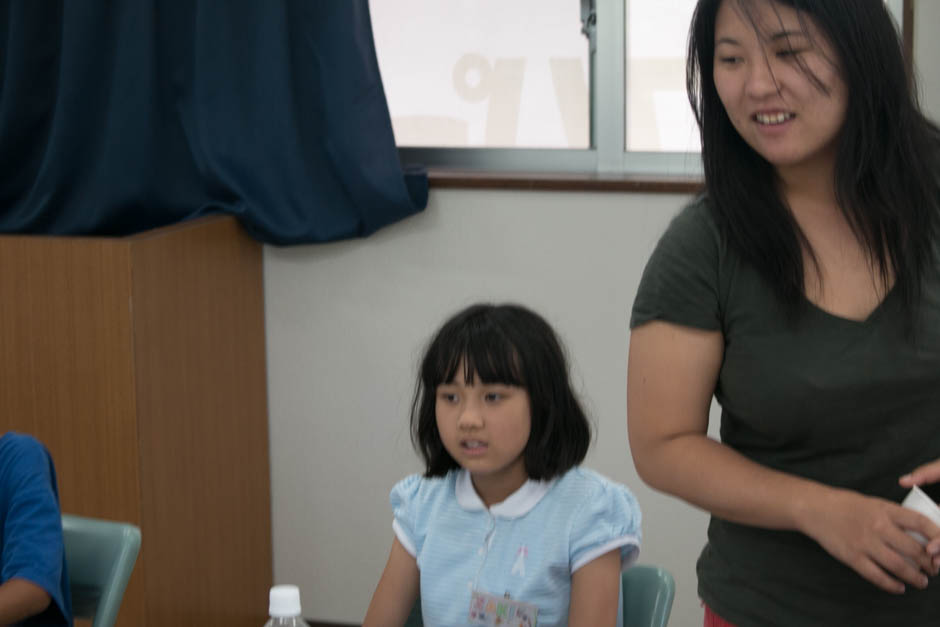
202	403
140	363
66	373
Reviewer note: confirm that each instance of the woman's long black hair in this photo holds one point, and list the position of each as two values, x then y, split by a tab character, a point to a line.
888	159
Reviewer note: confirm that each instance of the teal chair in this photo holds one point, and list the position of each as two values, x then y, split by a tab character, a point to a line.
414	619
99	555
648	592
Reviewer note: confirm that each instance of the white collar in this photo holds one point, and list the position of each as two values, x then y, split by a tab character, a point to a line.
517	504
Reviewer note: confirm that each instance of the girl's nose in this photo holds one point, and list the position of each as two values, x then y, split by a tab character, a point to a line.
470	416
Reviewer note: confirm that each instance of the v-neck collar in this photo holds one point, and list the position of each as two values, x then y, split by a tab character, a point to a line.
873	316
516	505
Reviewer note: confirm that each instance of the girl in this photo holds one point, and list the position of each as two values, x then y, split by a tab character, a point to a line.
504	522
803	292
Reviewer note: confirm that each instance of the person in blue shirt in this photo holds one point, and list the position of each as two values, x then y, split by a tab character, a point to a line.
504	527
34	587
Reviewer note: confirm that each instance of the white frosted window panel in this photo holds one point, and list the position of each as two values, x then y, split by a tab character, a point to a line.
484	73
658	115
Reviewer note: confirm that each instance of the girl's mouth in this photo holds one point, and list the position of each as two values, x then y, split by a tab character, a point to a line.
473	447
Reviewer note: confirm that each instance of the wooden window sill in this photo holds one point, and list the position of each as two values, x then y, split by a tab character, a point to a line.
562	181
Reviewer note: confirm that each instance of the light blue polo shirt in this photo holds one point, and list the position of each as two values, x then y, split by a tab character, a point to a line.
528	546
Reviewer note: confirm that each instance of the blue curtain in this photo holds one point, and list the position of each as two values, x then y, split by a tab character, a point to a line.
120	116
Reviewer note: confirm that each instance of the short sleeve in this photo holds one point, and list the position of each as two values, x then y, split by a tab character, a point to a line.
680	281
608	519
32	543
404	497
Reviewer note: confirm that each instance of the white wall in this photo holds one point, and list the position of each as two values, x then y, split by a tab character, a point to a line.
346	323
927	54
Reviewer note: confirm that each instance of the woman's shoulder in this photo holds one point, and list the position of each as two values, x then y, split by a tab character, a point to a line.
693	238
695	221
682	281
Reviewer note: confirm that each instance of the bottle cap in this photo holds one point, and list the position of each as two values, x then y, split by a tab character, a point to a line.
285	601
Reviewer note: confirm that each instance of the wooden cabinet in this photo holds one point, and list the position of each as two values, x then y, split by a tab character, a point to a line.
140	363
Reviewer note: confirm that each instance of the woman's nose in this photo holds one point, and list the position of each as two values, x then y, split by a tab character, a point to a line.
761	81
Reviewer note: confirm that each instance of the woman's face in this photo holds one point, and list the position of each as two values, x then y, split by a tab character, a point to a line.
764	68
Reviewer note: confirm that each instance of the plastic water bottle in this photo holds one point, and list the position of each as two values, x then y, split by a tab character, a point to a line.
284	607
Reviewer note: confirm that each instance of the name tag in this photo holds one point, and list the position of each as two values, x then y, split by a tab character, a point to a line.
488	609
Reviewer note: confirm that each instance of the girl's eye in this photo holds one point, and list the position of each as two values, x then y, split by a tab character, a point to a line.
493	397
448	397
729	60
789	53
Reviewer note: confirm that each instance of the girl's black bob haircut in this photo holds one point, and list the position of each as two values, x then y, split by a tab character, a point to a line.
512	345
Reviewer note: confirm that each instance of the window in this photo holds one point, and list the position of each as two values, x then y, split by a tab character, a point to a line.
541	85
658	116
484	73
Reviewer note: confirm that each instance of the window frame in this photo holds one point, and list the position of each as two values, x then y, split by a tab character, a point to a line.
607	165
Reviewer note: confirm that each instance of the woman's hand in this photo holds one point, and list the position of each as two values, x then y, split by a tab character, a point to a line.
869	535
927	473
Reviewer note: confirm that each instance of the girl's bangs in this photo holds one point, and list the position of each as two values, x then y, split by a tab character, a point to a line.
484	352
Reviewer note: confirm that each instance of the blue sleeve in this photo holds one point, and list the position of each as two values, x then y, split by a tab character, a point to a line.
608	519
32	546
404	499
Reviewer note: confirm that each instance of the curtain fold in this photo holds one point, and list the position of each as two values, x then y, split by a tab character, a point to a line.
117	117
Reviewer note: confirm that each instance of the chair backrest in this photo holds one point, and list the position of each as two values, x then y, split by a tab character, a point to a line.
99	555
415	619
648	592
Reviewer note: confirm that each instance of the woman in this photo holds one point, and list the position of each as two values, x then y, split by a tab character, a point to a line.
802	290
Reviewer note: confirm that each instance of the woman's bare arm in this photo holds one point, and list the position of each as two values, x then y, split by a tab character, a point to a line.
671	378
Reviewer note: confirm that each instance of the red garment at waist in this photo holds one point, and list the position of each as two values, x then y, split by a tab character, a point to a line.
714	620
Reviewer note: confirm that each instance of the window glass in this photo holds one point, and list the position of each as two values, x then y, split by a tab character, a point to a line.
484	73
658	116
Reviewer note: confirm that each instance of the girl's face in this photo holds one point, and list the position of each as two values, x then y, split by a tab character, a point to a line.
485	428
764	68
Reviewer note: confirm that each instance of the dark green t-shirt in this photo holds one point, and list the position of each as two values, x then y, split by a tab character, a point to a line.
849	404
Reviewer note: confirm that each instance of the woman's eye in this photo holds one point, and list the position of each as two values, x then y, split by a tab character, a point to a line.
729	60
